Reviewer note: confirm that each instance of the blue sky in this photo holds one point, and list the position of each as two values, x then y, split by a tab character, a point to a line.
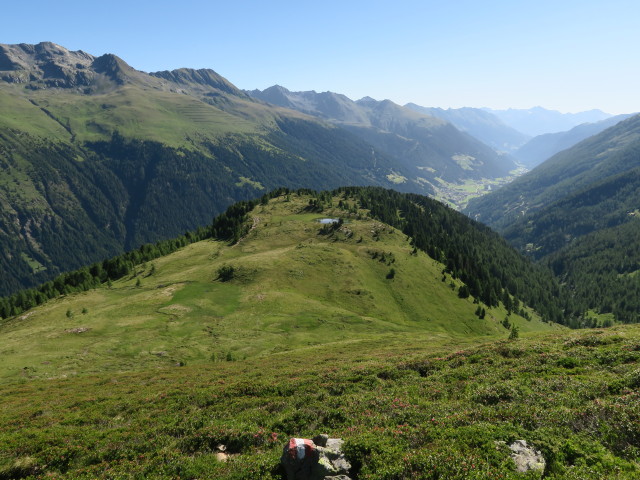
564	54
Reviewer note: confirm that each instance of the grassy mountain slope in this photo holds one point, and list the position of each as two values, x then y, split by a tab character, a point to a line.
480	124
98	157
145	115
407	408
434	150
309	334
542	147
609	153
296	283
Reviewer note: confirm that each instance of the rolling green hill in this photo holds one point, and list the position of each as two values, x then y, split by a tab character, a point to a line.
294	282
98	157
301	327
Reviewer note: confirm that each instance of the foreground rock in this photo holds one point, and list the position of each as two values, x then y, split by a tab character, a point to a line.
317	459
526	457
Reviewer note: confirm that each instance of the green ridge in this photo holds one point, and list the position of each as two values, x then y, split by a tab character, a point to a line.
293	286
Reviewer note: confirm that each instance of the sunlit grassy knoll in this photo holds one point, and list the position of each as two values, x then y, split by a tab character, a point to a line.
293	286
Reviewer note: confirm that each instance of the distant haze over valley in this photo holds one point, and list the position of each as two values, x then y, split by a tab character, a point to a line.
544	146
538	120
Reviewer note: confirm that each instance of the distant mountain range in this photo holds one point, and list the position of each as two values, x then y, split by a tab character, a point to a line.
433	147
542	147
538	121
483	125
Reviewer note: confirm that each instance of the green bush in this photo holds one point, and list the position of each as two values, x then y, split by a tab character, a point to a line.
226	273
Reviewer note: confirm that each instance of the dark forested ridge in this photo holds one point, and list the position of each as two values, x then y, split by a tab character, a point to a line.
601	270
590	241
578	214
122	193
603	205
55	215
492	270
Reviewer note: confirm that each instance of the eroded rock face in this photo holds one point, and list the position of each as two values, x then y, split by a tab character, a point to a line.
526	457
47	65
46	62
317	459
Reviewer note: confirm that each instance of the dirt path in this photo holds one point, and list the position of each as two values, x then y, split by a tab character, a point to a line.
256	221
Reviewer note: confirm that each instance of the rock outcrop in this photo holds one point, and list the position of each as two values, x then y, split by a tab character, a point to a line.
45	63
526	457
317	459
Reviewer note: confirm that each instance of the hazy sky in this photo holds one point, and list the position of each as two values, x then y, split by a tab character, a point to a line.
562	54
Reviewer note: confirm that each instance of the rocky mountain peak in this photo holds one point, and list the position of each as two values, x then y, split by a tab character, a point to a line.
48	65
366	101
276	95
45	64
33	57
113	67
205	77
277	88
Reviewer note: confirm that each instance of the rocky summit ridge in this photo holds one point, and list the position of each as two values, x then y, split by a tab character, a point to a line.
47	64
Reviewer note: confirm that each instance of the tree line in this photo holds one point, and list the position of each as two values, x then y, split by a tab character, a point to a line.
492	270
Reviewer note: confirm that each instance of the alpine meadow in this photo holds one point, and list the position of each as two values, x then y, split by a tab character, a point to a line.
200	280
